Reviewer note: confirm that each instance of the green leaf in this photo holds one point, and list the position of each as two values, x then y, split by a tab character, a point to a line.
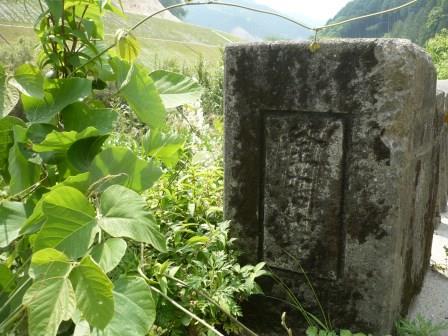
176	89
59	93
346	333
93	293
37	133
7	281
119	165
12	216
49	301
127	46
140	92
109	254
49	263
164	147
79	116
6	141
29	80
61	141
23	172
80	182
82	152
123	214
312	331
135	308
56	8
9	96
70	225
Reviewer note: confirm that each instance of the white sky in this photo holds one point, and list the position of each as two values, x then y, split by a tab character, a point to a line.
317	11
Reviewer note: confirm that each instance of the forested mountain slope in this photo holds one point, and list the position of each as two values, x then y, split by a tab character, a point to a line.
419	22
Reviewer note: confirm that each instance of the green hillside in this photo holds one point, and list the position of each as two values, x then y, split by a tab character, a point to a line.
161	40
418	22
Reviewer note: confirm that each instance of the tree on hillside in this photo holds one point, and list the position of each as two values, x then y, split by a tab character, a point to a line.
178	12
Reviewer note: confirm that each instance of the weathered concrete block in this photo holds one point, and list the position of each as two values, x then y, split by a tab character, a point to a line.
330	165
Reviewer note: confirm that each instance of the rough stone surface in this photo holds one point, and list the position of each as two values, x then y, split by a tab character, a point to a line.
331	165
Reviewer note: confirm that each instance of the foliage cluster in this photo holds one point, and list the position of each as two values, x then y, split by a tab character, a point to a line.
81	248
438	49
418	22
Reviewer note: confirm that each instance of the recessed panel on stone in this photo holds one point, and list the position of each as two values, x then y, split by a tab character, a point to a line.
303	172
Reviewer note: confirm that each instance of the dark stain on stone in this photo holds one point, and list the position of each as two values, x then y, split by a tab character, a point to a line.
382	152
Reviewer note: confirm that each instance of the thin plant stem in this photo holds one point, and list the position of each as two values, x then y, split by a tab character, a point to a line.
362	17
310	285
213	301
177	305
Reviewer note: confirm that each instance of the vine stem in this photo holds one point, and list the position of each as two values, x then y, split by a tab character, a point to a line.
230	4
177	305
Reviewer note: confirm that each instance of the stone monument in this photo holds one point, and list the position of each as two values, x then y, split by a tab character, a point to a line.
331	166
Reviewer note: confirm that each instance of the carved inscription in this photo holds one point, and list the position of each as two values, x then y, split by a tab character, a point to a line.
302	192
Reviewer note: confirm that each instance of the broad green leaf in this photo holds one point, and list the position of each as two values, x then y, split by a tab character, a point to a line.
6	141
93	293
7	281
79	116
29	80
49	301
176	89
35	221
61	141
49	263
80	182
82	329
135	308
164	147
12	217
119	165
82	152
59	93
23	172
56	8
109	254
124	214
70	225
9	96
37	133
140	92
127	46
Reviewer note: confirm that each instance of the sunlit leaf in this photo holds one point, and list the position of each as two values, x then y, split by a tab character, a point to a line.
93	290
29	80
127	45
79	116
8	95
119	165
59	93
162	146
70	225
140	92
135	309
176	89
50	300
109	254
124	214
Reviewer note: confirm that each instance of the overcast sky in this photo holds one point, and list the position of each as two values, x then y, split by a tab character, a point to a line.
318	11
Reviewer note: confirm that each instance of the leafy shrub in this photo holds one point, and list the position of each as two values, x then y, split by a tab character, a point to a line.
80	249
438	49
